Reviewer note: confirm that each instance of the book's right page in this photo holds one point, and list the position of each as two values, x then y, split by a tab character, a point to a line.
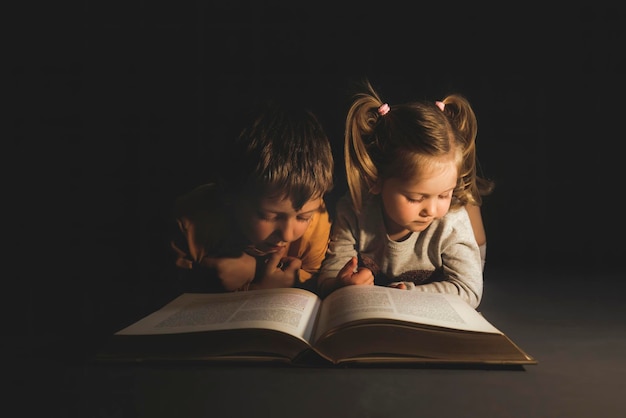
362	303
374	324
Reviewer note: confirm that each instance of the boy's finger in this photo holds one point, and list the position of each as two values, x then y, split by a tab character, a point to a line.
290	264
275	260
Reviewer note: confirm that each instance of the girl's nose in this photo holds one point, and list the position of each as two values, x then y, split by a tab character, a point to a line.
429	208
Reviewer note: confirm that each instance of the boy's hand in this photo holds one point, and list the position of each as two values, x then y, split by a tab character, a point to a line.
352	274
234	272
183	260
278	271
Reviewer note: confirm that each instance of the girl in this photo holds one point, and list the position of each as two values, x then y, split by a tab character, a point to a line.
411	170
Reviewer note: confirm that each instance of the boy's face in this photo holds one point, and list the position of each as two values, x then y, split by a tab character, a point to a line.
271	222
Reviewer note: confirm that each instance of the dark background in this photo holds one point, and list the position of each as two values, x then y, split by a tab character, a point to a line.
122	106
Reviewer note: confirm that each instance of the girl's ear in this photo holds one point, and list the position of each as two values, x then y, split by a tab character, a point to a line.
376	188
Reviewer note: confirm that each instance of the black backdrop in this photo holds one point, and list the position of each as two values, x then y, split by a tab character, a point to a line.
121	106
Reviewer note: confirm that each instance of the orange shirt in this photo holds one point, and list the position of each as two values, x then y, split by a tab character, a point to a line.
208	229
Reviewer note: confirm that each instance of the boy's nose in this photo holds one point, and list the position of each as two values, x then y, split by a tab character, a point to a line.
286	231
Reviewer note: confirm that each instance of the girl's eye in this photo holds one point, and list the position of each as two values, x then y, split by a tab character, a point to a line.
305	218
421	199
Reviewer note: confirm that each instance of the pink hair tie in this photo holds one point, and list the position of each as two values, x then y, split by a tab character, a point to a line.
383	110
440	105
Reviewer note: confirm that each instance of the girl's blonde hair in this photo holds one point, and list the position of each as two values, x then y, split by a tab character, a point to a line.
401	141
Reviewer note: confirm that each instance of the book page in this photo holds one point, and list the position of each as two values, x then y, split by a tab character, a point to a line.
288	310
354	303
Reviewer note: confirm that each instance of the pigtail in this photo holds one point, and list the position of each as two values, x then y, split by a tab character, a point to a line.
361	172
472	186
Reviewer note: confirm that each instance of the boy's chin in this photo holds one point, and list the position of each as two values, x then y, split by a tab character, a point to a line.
255	252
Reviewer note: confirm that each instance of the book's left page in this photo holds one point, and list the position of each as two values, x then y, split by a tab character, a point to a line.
258	325
287	310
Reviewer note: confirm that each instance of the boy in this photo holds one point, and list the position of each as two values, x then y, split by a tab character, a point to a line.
263	223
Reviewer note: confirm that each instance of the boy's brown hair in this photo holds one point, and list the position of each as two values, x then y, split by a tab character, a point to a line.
282	151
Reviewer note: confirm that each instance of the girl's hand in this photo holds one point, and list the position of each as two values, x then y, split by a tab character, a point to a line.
402	285
352	274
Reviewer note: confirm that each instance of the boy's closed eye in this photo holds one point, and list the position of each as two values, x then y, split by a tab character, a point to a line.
273	217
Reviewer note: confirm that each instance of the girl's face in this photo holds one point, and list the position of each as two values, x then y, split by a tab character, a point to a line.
412	205
272	222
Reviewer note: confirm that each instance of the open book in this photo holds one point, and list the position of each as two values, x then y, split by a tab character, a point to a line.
354	324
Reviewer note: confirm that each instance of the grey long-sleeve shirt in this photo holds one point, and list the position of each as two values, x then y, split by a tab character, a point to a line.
444	258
